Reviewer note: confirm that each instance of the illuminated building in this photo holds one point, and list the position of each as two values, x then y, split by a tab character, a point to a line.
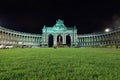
59	34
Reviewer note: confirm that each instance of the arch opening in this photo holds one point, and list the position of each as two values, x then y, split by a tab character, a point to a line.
68	40
59	39
50	40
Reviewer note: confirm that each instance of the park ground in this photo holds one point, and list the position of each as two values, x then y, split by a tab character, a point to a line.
60	64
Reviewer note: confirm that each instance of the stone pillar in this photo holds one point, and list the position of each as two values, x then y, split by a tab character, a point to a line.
11	37
20	38
55	40
63	39
95	40
28	39
36	40
0	35
40	40
88	41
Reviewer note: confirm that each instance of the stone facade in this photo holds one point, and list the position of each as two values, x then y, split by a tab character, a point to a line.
59	29
100	39
8	36
59	33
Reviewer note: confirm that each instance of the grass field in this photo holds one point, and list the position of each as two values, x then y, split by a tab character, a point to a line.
60	64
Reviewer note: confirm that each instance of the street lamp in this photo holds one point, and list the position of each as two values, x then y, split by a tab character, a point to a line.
107	30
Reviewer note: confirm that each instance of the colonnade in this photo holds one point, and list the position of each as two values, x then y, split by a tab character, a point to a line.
8	36
110	38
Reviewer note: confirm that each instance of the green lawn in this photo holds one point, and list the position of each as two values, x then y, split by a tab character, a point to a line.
59	64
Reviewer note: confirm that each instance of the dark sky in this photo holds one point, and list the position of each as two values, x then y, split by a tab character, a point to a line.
30	15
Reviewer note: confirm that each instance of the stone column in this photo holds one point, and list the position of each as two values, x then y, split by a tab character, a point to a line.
63	39
55	40
39	39
20	38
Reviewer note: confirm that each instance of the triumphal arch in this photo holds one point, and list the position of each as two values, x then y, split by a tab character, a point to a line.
59	34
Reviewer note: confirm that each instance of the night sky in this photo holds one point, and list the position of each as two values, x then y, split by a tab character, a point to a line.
30	15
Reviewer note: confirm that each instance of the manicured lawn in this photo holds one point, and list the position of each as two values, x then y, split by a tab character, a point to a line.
59	64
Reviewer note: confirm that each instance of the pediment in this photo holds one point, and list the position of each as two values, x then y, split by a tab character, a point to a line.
59	25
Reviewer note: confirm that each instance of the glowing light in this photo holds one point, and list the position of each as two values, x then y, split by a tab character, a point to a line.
107	30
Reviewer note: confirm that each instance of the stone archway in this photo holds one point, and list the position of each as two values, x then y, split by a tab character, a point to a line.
50	40
59	39
68	40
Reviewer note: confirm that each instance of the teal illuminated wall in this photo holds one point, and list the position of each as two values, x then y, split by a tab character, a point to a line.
59	29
